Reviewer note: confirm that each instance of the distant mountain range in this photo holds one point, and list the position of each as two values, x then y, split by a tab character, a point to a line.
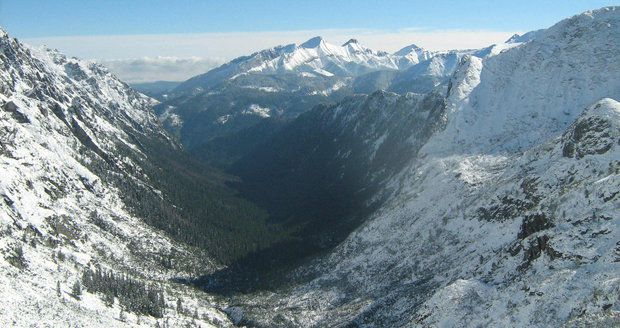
312	58
285	81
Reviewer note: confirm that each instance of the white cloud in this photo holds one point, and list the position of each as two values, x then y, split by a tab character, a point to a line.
148	69
218	47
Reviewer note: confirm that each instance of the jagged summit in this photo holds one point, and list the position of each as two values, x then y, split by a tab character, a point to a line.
513	37
412	54
351	41
313	42
314	56
529	36
408	49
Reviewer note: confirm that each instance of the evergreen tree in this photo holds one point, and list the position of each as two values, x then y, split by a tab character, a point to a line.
133	295
108	300
76	290
179	306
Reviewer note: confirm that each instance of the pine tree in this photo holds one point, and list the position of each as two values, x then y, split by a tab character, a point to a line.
76	290
179	305
58	291
108	299
133	295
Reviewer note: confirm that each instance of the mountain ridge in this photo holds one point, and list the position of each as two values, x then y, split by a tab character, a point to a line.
94	195
312	56
490	224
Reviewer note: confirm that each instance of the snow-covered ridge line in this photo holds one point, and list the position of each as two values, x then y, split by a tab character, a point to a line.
350	59
509	216
529	93
313	56
69	131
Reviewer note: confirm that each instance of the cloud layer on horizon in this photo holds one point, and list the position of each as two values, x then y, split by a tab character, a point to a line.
149	69
139	58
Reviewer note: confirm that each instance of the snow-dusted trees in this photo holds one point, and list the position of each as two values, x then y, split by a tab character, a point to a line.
76	290
133	295
16	257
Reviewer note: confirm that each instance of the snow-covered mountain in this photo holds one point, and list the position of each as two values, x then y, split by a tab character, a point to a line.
475	188
507	216
315	57
286	81
77	153
283	81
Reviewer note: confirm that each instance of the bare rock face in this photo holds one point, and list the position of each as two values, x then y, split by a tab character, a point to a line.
17	115
534	223
590	135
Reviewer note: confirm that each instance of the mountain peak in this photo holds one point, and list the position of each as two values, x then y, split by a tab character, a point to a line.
408	49
519	38
351	41
513	38
313	42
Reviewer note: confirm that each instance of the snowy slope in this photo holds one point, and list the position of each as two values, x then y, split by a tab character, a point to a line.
507	217
68	130
315	57
523	96
411	55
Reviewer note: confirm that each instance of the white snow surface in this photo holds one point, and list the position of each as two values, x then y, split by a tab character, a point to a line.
313	58
316	55
257	110
523	96
53	207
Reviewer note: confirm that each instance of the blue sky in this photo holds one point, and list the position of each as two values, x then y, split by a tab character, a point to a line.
144	40
40	18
